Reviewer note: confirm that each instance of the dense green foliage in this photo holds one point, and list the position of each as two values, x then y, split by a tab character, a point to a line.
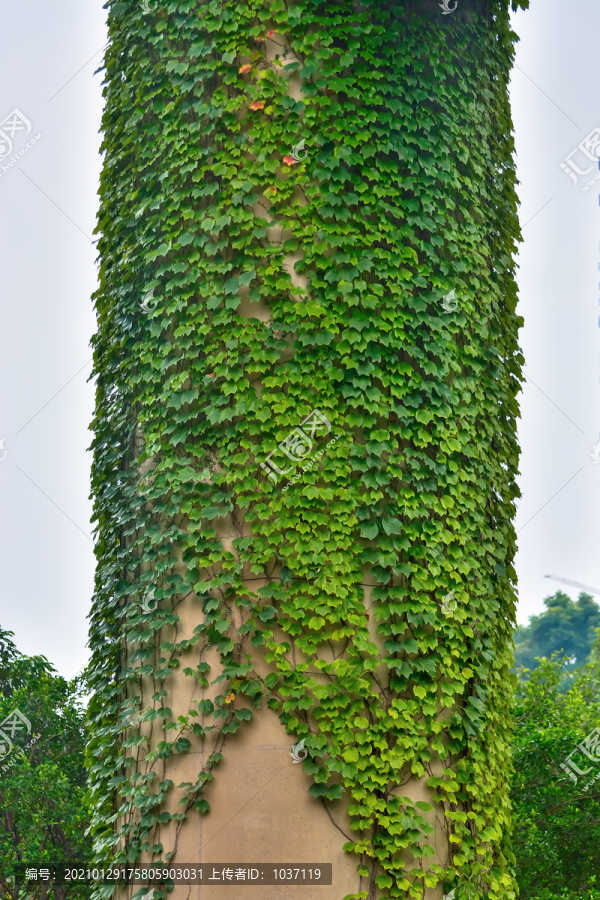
405	194
42	780
556	819
566	626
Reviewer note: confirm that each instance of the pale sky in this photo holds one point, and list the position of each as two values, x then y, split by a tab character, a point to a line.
48	199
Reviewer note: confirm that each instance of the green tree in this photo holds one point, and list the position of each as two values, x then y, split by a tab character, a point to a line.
557	815
8	655
307	230
567	626
42	777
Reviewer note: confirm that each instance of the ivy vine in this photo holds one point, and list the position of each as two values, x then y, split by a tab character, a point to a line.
212	349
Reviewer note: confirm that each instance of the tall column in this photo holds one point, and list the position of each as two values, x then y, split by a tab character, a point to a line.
305	450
